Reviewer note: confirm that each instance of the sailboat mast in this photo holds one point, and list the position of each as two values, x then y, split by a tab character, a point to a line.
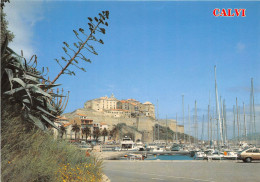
176	129
166	130
237	122
158	131
195	123
189	123
210	119
183	118
208	124
253	100
251	112
234	123
202	129
245	134
221	116
213	124
225	121
158	126
217	109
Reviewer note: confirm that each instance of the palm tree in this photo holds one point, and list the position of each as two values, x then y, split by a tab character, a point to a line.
76	129
62	130
116	131
104	133
87	132
96	133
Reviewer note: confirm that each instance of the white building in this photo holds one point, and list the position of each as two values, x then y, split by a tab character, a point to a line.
102	103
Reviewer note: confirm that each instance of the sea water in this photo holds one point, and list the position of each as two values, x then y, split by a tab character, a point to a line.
168	157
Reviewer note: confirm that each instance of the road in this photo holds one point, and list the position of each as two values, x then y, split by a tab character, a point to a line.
182	171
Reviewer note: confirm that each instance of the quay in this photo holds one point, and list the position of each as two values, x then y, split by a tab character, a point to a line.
108	155
161	153
181	171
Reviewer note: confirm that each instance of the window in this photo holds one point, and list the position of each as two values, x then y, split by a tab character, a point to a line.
249	151
256	151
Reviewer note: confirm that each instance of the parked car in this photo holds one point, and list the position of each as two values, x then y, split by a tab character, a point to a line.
250	154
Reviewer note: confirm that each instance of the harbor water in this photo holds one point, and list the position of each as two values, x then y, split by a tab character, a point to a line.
168	157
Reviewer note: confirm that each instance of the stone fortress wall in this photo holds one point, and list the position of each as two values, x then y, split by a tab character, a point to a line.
141	123
112	111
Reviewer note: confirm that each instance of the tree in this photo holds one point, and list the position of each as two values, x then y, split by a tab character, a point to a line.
114	132
104	133
6	35
96	133
76	129
62	130
87	132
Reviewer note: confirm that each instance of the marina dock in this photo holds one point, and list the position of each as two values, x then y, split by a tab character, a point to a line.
108	155
161	153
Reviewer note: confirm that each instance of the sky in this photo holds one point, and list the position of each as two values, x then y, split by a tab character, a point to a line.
153	51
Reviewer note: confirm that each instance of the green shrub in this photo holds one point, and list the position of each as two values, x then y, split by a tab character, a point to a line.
30	154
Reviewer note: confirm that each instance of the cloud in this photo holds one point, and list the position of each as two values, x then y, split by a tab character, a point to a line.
22	17
240	46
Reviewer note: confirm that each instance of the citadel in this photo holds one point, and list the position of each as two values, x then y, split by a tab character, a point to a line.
139	118
121	108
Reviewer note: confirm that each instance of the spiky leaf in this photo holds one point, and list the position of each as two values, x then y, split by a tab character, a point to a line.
20	81
49	121
36	121
103	30
76	33
81	30
44	111
101	41
11	92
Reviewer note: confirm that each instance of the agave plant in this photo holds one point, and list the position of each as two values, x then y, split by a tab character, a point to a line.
23	84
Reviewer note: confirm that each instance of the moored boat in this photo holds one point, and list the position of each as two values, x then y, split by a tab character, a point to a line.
215	156
128	144
159	149
200	156
230	155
